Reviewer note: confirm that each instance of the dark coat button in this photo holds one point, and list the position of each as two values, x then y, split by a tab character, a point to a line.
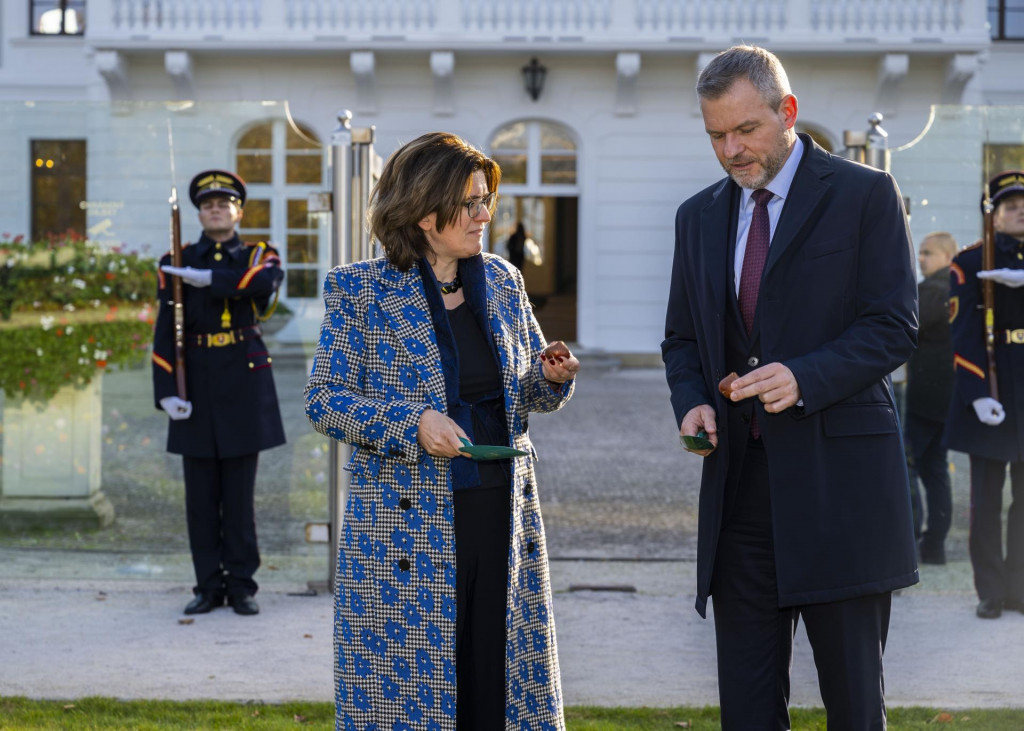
527	488
403	564
531	547
396	452
745	418
405	503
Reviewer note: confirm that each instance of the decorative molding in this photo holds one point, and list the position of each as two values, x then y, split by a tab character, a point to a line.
363	66
178	65
627	68
892	69
960	70
114	70
442	66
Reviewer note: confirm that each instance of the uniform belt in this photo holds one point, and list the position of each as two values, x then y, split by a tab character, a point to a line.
226	337
1011	337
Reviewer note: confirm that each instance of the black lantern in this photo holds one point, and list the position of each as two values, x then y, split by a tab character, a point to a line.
533	78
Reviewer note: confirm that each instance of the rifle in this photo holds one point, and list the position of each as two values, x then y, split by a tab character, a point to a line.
179	298
176	283
988	294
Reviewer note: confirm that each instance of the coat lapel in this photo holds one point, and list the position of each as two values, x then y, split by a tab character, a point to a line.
805	195
403	304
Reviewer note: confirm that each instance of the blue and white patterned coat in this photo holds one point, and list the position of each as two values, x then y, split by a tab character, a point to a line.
377	368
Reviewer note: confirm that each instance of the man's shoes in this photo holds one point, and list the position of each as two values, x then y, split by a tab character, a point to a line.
204	602
243	604
989	609
1014	605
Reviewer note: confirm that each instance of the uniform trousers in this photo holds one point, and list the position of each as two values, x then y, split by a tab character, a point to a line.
755	636
222	523
929	462
482	535
996	577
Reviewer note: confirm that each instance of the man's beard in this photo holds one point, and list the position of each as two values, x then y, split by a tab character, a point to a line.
770	166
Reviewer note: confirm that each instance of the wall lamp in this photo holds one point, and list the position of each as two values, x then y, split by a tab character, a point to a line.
533	78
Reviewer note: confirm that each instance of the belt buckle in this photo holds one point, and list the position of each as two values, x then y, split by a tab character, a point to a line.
1015	336
219	340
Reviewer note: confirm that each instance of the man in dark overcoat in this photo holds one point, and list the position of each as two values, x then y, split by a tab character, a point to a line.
796	273
990	427
929	389
229	412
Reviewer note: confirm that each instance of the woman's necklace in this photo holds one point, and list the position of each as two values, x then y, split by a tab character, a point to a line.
453	286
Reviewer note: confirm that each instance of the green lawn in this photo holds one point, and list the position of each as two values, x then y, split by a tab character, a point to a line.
107	714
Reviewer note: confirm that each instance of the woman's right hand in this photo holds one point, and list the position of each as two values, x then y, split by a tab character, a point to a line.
439	435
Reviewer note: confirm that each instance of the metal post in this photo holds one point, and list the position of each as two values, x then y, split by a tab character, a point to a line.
354	169
338	453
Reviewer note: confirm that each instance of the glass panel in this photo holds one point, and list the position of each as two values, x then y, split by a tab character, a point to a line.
255	167
298	213
512	137
302	248
1002	157
558	169
259	137
303	169
302	283
513	168
49	19
257	213
1014	23
304	139
555	137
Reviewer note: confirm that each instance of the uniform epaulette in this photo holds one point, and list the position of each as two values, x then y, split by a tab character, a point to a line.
975	245
183	247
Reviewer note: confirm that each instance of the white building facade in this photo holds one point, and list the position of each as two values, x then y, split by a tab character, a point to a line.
595	165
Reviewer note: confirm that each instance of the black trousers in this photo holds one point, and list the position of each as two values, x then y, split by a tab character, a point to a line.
482	535
996	577
222	523
755	636
930	463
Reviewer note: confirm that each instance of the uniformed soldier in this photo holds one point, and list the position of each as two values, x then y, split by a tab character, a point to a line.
230	412
991	430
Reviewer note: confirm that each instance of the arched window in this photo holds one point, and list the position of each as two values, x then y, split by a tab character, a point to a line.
535	154
281	165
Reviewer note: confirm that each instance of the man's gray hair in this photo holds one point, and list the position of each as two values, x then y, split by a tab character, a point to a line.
759	66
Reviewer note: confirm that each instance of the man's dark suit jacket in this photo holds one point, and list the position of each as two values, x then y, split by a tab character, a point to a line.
838	306
930	369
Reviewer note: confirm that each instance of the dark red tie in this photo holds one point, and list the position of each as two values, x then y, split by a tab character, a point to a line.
758	236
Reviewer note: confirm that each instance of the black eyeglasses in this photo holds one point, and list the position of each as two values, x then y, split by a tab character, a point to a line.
475	205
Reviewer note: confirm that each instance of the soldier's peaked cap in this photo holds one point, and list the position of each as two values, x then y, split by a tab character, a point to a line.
216	182
1004	184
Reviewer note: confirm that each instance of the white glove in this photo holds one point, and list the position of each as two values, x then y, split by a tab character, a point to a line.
195	277
989	411
176	408
1009	277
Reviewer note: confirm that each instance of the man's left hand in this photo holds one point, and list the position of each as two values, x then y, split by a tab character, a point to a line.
195	277
774	384
1008	277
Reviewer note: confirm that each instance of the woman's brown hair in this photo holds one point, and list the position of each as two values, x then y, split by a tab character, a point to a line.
431	174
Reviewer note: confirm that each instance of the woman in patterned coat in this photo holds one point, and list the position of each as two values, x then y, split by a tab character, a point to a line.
443	602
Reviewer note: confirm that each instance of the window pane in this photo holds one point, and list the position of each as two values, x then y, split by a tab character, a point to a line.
302	169
257	213
305	141
58	187
555	137
1015	23
558	169
512	137
298	213
254	167
513	168
302	282
259	137
302	248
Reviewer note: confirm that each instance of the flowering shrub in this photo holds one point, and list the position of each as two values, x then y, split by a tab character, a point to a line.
69	309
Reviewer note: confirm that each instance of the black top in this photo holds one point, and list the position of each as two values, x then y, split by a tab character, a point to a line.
480	386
